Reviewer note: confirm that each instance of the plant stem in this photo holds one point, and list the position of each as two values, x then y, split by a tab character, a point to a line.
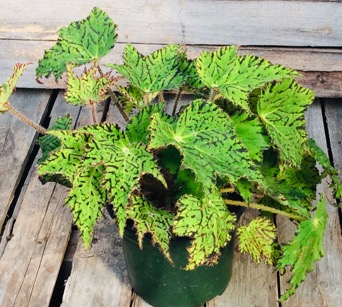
265	208
113	96
175	105
161	97
227	190
93	112
213	93
24	119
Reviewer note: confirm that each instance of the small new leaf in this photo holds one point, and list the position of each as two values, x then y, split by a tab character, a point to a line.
208	222
7	89
89	88
148	219
306	248
257	239
81	42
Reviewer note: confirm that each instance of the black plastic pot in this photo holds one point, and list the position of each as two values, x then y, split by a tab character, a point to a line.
163	285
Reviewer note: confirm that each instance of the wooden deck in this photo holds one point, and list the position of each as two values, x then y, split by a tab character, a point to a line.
39	246
41	261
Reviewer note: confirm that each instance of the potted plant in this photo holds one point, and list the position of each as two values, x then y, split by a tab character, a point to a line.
174	180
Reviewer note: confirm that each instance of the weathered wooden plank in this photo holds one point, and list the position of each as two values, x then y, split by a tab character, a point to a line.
251	284
285	23
17	141
333	113
99	276
322	287
321	68
33	256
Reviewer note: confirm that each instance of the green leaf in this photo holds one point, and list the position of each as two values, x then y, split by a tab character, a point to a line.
152	73
81	42
136	129
49	143
189	70
306	248
148	219
281	108
124	162
7	89
323	160
234	77
132	97
252	134
86	200
288	194
89	88
208	222
205	137
258	239
67	160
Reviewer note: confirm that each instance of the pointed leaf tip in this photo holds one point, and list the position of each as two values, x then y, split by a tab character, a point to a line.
79	43
8	87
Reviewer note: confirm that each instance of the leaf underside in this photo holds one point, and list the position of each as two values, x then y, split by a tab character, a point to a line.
81	42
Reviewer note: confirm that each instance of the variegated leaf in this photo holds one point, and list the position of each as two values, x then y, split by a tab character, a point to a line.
125	163
306	248
281	108
205	136
81	42
67	160
152	73
258	240
148	219
234	77
7	89
86	199
208	222
315	151
88	88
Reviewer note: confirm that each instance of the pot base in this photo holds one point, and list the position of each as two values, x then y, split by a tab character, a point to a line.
163	285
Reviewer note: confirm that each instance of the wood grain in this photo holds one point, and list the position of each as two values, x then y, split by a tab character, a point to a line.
99	276
322	287
282	23
17	142
33	256
251	284
321	68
